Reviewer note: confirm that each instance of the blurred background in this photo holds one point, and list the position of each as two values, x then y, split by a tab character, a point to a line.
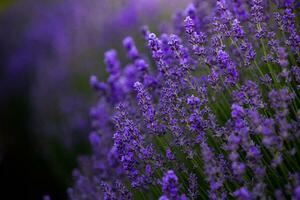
48	51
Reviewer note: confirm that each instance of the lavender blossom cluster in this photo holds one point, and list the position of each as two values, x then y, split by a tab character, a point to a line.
213	114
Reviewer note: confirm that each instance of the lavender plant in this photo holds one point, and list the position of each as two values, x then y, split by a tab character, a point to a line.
213	114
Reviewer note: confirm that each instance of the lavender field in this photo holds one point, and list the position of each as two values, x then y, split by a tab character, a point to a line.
136	99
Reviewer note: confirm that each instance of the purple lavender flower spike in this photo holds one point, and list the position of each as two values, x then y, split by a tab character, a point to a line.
170	187
170	156
144	101
282	57
112	62
189	25
296	73
193	192
237	29
129	45
142	65
228	67
108	192
214	169
242	194
197	39
249	95
180	53
193	101
169	184
177	19
257	11
297	193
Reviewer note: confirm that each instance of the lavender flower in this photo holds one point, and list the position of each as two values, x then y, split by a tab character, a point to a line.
242	194
228	85
147	108
257	11
214	171
193	192
169	187
237	29
129	45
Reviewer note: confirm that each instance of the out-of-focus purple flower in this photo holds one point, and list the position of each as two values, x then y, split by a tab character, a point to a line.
242	194
129	45
170	187
297	193
249	95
